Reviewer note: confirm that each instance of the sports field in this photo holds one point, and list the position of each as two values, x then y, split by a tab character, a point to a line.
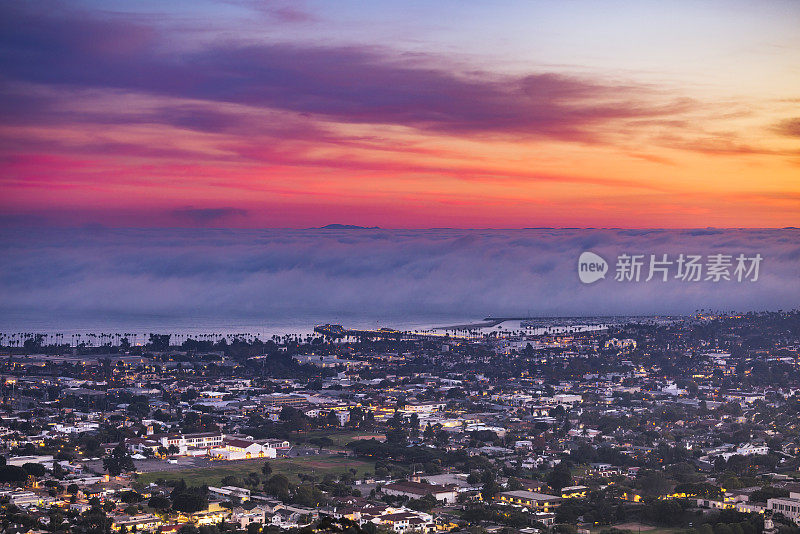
338	439
317	465
637	528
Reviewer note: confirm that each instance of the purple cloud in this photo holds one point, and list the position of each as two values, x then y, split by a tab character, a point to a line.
789	127
348	84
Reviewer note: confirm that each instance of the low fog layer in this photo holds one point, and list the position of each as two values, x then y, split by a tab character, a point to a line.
98	274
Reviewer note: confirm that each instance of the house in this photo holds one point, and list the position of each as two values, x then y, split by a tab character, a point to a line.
244	517
407	522
78	428
423	407
280	444
142	445
210	516
286	518
545	518
416	490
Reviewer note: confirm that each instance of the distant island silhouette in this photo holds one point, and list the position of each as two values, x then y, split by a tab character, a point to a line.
347	227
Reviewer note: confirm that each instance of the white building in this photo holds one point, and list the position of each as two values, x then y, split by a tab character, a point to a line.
416	490
137	523
231	491
78	428
788	506
563	399
242	449
19	461
408	521
423	407
276	444
184	442
747	450
245	517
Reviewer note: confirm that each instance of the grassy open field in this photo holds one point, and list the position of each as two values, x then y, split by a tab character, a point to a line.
635	528
291	467
339	439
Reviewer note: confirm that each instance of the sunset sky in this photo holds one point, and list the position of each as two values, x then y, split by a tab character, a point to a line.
294	114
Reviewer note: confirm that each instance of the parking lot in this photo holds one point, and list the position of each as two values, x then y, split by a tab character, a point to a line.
149	465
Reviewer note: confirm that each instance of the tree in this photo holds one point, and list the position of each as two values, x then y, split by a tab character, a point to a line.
266	470
131	497
159	502
58	471
93	520
413	424
652	483
13	473
190	501
514	484
33	469
293	418
356	417
332	419
768	492
423	504
663	512
159	342
559	477
119	461
277	485
308	496
490	489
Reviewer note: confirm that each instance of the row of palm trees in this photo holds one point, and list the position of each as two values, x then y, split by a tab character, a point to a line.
18	339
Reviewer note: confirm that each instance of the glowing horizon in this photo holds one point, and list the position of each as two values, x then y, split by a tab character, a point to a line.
299	114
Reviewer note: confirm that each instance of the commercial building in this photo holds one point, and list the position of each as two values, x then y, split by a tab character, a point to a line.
242	449
416	490
788	506
540	502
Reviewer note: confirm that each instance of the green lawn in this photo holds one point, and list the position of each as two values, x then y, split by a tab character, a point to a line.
635	528
339	439
291	467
